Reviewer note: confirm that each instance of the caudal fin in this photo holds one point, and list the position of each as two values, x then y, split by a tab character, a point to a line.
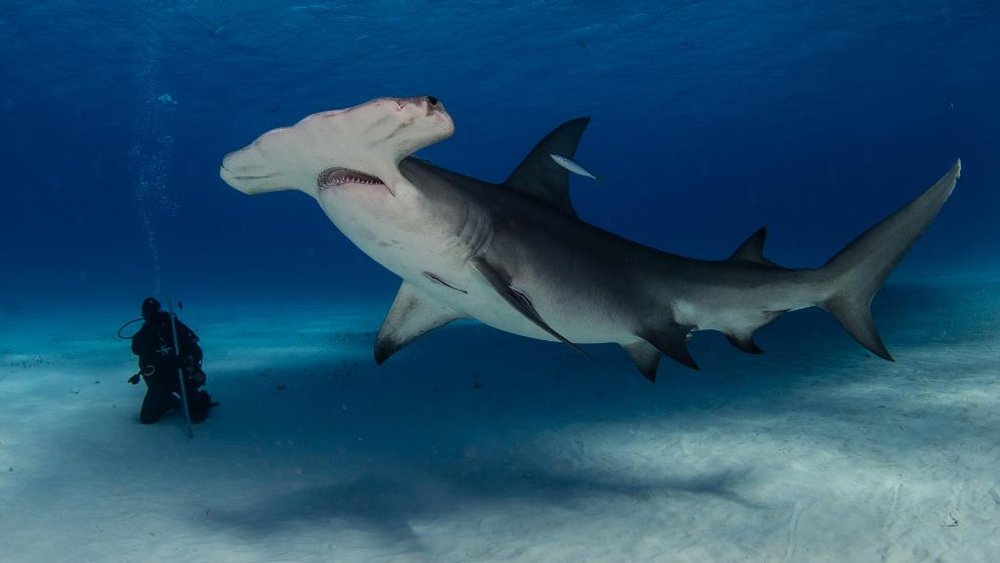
859	270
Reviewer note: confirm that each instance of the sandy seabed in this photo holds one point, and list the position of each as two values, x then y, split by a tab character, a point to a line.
473	445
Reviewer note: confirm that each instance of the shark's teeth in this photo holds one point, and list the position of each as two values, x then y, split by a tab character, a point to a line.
333	177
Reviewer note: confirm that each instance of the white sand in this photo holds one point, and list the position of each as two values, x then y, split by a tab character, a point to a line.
474	445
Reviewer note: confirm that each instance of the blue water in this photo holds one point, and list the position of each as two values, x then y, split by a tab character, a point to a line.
709	120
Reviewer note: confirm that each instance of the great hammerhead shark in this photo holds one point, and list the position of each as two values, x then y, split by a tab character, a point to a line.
516	256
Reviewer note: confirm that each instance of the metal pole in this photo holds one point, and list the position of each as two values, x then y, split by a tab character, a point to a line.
180	369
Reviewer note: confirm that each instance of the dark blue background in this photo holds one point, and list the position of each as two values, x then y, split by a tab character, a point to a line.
709	120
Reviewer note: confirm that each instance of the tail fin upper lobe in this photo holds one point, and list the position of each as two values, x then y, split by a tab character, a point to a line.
858	271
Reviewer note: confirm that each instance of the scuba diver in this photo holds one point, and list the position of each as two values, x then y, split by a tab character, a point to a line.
159	361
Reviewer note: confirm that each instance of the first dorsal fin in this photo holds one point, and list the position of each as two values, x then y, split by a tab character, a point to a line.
752	250
539	176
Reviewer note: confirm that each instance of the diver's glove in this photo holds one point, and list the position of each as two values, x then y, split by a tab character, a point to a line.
134	379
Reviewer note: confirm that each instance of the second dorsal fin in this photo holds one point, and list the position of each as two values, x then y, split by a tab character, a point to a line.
752	250
539	177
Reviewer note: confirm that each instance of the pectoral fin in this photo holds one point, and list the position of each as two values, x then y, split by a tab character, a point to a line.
413	313
501	283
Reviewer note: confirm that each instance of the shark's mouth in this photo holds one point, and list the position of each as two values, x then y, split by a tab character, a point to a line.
333	177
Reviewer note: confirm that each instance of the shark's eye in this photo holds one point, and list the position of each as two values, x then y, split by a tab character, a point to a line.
333	177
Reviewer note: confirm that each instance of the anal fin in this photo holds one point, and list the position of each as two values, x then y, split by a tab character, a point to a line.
412	314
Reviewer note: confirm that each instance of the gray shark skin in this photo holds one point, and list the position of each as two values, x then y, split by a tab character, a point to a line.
516	256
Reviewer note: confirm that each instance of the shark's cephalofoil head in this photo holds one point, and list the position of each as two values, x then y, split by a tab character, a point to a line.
360	146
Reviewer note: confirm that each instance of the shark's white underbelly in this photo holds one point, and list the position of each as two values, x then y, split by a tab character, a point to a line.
465	290
484	304
441	266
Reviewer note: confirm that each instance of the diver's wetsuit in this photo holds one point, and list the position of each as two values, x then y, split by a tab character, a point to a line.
158	363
